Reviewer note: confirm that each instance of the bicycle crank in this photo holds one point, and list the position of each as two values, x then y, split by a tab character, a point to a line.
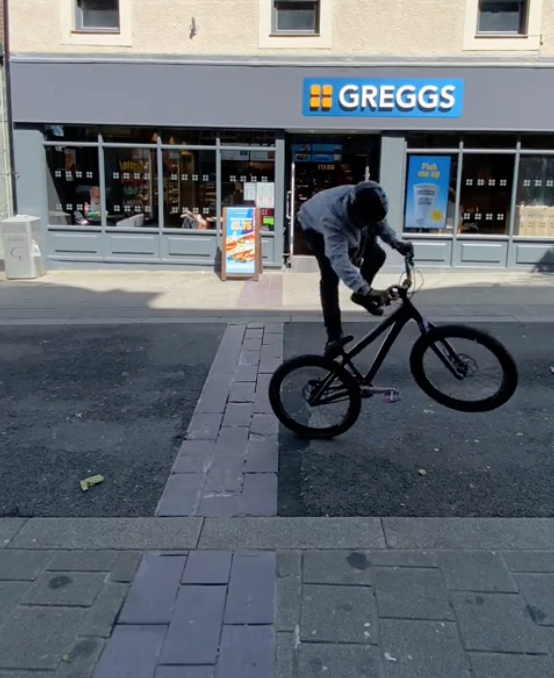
390	395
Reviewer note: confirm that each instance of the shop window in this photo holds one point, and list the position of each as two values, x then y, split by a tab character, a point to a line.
502	16
229	137
189	137
538	142
73	186
190	189
128	135
486	194
299	17
421	140
64	133
535	197
430	202
131	187
490	140
248	178
97	15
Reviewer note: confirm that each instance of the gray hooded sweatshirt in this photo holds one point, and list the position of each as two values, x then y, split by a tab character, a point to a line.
327	213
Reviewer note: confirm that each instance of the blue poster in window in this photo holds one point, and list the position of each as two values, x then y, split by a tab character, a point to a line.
240	241
427	192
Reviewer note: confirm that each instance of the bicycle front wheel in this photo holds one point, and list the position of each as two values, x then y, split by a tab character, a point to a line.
463	368
314	397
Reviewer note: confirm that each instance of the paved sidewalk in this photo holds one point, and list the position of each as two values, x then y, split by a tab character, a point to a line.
154	296
277	598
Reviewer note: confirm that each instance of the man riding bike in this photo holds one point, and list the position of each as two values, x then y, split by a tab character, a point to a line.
341	226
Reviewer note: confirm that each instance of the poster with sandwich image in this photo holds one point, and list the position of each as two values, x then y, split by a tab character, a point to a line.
241	255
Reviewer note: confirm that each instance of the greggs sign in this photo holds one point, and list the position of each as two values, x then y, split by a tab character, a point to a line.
383	98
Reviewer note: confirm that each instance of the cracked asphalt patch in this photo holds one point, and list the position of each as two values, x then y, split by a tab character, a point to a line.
85	400
499	463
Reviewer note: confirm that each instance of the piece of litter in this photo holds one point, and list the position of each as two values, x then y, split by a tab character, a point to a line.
422	472
65	658
91	482
79	414
367	625
476	441
552	370
436	449
389	658
519	434
428	412
367	634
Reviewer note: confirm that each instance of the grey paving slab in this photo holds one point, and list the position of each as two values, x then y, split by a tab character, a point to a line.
193	635
259	494
208	567
388	558
232	439
252	344
109	533
338	661
264	424
242	392
9	527
154	590
194	456
254	333
469	533
131	652
490	665
262	456
83	658
476	571
82	561
284	659
11	593
181	495
292	533
64	588
220	506
125	566
185	672
246	652
225	475
252	589
237	414
269	365
101	617
204	426
246	373
422	649
530	561
338	614
289	564
538	590
249	358
22	565
411	593
496	622
36	638
348	568
288	603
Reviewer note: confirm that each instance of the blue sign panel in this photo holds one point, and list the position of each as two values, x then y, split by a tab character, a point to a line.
383	98
240	241
427	192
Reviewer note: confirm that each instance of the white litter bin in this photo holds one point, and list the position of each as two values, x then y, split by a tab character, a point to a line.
22	256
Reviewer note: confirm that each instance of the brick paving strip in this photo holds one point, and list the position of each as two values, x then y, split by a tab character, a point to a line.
227	465
276	598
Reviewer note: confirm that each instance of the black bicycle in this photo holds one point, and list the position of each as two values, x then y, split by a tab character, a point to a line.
318	397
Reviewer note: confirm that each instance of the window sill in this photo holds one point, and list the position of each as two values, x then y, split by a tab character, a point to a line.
293	34
96	31
502	42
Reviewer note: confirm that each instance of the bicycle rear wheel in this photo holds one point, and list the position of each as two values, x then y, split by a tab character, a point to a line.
314	397
452	357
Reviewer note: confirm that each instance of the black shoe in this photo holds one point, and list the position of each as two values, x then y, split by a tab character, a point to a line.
334	347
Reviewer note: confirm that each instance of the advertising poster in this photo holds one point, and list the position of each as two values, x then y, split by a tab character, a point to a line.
427	192
240	242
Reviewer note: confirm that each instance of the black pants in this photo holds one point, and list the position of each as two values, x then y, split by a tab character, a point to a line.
373	259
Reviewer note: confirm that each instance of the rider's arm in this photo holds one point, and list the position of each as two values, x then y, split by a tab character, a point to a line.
387	233
336	250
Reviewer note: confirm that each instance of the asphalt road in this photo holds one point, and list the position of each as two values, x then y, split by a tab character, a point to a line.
110	400
495	464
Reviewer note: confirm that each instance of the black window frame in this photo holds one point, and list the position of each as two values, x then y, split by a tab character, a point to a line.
524	18
278	5
80	26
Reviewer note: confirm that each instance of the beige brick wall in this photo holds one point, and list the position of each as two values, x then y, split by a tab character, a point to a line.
397	28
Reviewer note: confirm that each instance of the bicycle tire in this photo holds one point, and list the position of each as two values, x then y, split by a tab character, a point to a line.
452	332
351	385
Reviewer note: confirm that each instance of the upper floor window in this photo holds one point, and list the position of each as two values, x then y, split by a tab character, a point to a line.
97	15
300	17
502	17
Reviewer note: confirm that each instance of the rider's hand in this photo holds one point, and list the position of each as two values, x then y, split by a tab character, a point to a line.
405	247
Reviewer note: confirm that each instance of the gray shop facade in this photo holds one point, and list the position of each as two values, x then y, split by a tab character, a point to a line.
129	162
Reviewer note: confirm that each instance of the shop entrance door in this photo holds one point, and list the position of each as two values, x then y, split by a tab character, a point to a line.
318	163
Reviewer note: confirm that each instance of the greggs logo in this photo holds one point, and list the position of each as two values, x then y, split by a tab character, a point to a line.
383	98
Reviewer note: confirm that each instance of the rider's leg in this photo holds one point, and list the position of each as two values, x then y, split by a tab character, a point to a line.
374	258
328	287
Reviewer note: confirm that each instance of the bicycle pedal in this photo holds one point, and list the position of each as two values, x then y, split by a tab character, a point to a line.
391	396
366	391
